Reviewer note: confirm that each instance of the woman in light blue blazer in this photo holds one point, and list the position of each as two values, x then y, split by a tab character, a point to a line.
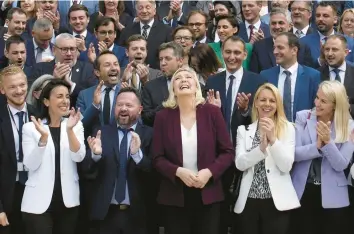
322	154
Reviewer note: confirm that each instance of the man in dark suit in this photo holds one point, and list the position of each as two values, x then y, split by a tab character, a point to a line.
122	159
198	21
12	172
137	73
236	88
326	18
262	54
78	74
297	84
156	91
252	29
300	17
175	12
149	28
336	68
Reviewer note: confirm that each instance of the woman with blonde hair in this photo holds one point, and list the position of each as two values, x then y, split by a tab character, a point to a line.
265	153
346	23
191	151
323	152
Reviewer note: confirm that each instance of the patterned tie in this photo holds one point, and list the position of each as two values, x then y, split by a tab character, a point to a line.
121	182
107	106
145	33
22	174
299	34
39	54
287	96
337	77
251	27
228	107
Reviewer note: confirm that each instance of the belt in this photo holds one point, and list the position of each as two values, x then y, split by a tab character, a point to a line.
122	206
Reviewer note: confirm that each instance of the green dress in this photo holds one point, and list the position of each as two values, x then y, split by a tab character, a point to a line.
216	46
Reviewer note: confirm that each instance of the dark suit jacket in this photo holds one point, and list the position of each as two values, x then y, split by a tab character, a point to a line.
8	161
164	8
82	75
3	30
107	169
263	57
30	53
243	31
215	152
306	87
348	82
153	41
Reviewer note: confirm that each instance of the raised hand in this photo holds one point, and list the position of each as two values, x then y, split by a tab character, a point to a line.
60	70
97	94
3	219
95	143
214	97
128	71
102	46
80	43
6	36
91	53
124	84
203	177
54	18
242	101
324	131
188	177
269	129
143	71
135	143
73	119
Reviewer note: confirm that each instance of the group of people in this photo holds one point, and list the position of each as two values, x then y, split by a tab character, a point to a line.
208	117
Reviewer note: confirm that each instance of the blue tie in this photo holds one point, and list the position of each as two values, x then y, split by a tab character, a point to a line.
228	108
22	174
121	183
287	96
336	71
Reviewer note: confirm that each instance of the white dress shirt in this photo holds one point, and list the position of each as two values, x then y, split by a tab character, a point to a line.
293	69
84	34
256	28
148	30
189	147
236	84
303	31
342	69
47	53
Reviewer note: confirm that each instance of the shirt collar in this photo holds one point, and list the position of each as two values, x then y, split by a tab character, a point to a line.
304	30
150	24
257	25
132	127
236	74
292	69
84	34
104	87
342	67
14	111
111	48
323	36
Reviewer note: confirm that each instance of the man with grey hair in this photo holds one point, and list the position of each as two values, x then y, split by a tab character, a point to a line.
262	55
277	4
300	16
152	30
65	66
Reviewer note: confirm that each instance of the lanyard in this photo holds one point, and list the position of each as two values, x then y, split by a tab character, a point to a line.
13	119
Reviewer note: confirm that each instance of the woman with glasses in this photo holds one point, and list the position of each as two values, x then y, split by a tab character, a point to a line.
184	36
36	89
322	154
346	23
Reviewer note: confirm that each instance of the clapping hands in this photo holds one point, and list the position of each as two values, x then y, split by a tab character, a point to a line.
267	132
323	133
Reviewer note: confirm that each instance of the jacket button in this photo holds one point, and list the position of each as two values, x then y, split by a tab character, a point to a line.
268	171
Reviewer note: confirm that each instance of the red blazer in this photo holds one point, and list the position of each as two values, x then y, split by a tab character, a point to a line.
215	152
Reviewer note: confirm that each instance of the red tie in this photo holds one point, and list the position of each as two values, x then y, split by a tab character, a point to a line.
251	27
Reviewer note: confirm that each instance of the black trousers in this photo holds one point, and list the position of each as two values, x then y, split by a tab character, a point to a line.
194	217
118	222
261	217
312	218
56	220
351	209
15	217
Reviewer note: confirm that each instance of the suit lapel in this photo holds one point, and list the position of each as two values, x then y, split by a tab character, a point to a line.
325	73
116	91
8	134
164	88
300	81
75	72
243	32
348	80
250	135
176	133
270	51
311	126
222	88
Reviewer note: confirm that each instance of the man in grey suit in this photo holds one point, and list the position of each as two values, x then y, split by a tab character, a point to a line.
137	73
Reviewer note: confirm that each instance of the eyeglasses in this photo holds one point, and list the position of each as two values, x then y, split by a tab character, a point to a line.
185	38
104	33
65	50
300	9
197	25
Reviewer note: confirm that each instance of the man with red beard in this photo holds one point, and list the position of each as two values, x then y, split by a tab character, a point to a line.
13	174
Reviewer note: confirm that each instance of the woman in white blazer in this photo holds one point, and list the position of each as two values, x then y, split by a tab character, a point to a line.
51	149
265	153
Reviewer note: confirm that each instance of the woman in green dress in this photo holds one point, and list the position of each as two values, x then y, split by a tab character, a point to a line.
227	26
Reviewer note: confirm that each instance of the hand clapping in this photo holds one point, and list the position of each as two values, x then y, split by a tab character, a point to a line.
95	143
74	118
214	98
323	133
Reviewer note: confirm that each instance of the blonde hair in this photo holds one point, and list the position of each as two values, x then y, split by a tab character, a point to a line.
171	101
336	93
340	29
11	70
280	120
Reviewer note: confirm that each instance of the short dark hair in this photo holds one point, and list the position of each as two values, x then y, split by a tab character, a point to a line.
14	10
177	48
13	40
293	41
198	12
78	7
130	90
45	94
339	37
135	37
228	5
326	4
96	63
207	61
231	19
104	21
235	39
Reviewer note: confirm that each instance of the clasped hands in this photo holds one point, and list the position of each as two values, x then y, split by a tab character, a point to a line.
267	132
191	179
323	133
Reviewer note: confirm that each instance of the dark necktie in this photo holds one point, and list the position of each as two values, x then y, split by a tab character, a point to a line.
174	23
78	36
251	27
121	183
22	174
39	54
337	77
228	108
287	96
298	33
107	106
145	28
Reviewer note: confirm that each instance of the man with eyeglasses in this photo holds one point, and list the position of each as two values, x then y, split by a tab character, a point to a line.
66	66
300	16
197	21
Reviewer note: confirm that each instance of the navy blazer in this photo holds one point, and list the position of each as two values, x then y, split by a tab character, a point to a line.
249	84
313	41
30	53
263	57
243	31
306	87
107	169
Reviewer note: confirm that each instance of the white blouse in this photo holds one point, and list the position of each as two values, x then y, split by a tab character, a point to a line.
189	147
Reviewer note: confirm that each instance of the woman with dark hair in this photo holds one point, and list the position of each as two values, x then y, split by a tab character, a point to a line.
114	9
203	60
184	36
51	148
